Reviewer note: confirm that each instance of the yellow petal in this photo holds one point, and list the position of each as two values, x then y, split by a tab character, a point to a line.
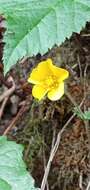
56	93
60	73
39	92
40	72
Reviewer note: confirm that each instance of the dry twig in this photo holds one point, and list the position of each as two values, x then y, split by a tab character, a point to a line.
80	181
5	96
54	150
8	92
22	109
3	106
80	69
88	186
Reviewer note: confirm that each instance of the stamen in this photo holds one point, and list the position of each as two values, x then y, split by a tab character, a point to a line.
51	82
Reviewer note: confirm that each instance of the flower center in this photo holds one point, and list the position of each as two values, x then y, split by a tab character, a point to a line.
50	82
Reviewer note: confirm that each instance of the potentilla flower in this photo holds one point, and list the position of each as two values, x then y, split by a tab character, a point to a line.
48	79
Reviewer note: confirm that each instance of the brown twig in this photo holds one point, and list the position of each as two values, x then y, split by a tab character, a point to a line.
22	109
8	92
8	84
5	96
3	106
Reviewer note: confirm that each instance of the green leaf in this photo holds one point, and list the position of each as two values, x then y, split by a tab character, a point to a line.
87	115
84	115
4	185
35	26
13	174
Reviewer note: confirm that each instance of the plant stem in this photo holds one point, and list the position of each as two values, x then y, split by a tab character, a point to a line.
74	103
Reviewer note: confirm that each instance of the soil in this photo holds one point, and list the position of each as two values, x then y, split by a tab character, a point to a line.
33	123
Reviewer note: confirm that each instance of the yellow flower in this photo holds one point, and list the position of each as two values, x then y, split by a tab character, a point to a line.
48	79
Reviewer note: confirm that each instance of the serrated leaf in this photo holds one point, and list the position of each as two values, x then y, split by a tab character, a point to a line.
35	26
13	174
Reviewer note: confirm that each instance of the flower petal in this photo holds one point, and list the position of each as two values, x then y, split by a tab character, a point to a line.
40	72
39	91
56	93
60	73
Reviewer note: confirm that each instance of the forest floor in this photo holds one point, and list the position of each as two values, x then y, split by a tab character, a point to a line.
35	124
